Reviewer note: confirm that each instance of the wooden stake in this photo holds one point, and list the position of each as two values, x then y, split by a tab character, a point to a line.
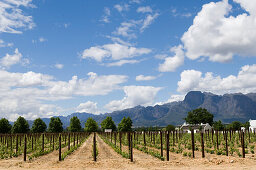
226	139
68	141
120	140
59	147
167	145
94	147
193	143
25	148
131	149
144	138
43	143
17	146
161	143
202	144
243	151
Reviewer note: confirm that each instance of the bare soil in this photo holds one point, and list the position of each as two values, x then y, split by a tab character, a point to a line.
109	159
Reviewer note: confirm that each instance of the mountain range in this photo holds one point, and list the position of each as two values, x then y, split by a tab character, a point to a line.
227	108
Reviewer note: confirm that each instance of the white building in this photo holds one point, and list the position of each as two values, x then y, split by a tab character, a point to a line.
252	125
186	127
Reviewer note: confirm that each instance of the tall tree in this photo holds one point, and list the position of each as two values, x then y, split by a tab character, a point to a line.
108	123
235	125
199	116
125	125
38	126
218	125
170	128
55	125
75	125
91	125
5	126
20	126
247	125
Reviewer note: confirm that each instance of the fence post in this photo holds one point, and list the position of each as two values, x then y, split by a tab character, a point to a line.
32	140
217	139
11	142
25	147
131	148
43	143
68	141
59	147
115	138
17	146
249	135
65	138
167	145
243	151
212	135
53	136
129	143
94	147
111	136
173	138
154	137
74	139
226	139
193	143
120	140
77	139
161	143
20	140
202	144
144	137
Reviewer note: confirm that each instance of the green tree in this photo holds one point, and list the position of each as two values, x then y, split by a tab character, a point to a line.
235	125
91	125
5	126
125	125
108	123
247	125
218	125
55	125
199	116
38	126
20	126
75	125
170	128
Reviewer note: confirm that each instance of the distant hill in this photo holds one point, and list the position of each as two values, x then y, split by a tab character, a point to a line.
228	107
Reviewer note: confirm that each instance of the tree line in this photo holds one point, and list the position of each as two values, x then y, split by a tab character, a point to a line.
196	116
55	126
202	115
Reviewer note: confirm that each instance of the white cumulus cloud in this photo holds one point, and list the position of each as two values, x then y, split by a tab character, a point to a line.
134	95
88	107
12	17
28	94
11	59
218	35
114	51
243	82
172	63
145	78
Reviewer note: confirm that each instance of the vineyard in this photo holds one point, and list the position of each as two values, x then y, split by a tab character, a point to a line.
155	149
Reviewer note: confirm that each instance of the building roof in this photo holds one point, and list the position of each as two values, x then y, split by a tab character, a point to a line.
188	126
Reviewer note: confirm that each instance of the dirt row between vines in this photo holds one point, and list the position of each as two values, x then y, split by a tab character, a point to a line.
109	159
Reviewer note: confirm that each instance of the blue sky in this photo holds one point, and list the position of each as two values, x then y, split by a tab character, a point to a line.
100	56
